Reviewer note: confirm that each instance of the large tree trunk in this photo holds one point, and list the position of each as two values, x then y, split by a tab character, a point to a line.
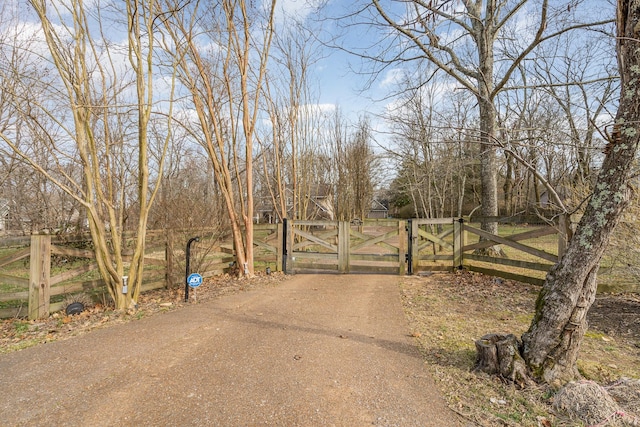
488	165
551	345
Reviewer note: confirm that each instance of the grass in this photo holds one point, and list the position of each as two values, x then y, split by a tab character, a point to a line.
21	327
447	313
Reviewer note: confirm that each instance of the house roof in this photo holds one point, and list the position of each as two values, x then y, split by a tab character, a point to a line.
376	205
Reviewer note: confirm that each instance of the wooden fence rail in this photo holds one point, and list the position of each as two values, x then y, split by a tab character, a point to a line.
44	290
378	246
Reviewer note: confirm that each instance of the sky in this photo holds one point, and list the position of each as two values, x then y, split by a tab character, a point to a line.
337	77
337	74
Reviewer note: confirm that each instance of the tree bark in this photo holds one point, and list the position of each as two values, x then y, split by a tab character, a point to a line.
551	345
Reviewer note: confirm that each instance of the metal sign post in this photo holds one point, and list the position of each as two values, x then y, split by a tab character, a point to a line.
186	276
194	280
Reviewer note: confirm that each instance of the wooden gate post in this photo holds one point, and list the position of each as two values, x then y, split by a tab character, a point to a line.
415	250
402	247
287	246
39	276
168	261
458	242
344	234
279	247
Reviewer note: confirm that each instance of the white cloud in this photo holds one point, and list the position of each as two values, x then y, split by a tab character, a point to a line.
299	9
393	77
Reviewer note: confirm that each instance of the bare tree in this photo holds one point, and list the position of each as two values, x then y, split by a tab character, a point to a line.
590	69
88	125
353	164
293	115
469	42
222	50
429	144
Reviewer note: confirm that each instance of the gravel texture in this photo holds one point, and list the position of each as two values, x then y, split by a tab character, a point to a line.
317	350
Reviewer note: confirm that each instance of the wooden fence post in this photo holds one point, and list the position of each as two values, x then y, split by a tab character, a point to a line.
415	241
402	247
168	260
39	276
344	234
287	243
279	245
458	242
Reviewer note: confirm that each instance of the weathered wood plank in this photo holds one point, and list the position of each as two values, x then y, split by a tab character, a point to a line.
13	280
532	234
315	255
75	252
6	313
402	247
344	235
271	227
501	240
510	262
21	254
435	239
434	221
14	296
369	240
327	235
315	267
311	239
70	274
457	243
85	286
506	275
374	257
266	246
436	257
150	286
227	250
56	306
380	223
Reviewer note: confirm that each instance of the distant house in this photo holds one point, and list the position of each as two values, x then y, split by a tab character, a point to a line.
378	210
319	205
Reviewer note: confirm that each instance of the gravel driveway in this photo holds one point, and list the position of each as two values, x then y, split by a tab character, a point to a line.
318	350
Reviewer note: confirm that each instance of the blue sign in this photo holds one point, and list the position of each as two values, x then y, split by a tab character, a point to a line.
194	280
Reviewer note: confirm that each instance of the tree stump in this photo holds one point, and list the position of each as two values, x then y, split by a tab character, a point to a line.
499	354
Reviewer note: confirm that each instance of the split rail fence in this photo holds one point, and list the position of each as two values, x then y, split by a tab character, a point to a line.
374	246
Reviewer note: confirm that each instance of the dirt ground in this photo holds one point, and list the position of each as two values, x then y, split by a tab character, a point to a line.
617	315
448	312
445	313
313	350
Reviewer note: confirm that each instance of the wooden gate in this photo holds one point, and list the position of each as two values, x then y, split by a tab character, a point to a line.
435	244
375	246
415	245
